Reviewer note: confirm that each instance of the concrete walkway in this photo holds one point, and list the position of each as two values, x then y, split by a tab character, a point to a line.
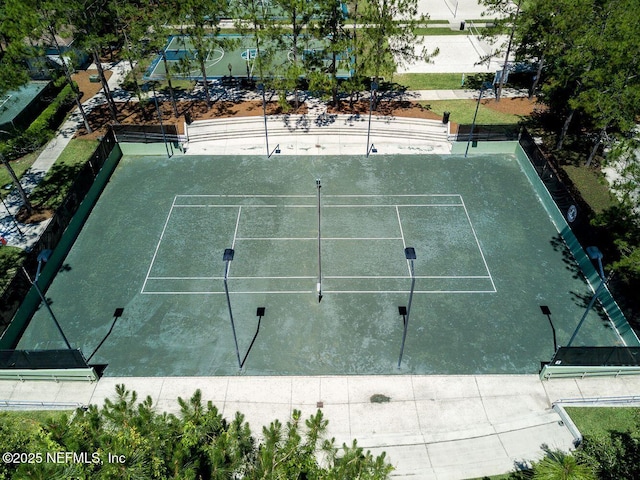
432	427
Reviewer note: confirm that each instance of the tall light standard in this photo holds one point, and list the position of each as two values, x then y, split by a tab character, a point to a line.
227	257
594	254
370	147
319	283
484	87
264	114
410	255
547	312
164	136
43	257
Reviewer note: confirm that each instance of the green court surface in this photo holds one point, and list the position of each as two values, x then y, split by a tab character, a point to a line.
487	253
235	55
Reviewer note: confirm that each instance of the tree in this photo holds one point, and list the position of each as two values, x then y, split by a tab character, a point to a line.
195	444
46	20
297	15
506	16
557	465
389	37
331	29
201	19
94	28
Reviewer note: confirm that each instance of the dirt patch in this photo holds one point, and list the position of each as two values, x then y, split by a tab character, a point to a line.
516	106
133	113
86	86
37	215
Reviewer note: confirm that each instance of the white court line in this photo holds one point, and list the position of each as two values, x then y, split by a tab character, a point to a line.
316	238
394	205
375	292
397	195
155	253
270	292
404	244
373	205
432	277
341	277
232	278
478	244
247	196
235	232
265	292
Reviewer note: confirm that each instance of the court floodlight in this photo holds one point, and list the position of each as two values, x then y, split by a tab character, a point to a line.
485	86
370	147
43	257
259	313
402	310
410	255
227	256
319	283
118	313
546	311
264	114
595	254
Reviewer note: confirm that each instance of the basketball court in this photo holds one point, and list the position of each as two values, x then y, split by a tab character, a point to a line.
233	55
303	260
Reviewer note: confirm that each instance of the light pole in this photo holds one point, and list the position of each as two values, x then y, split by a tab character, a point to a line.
164	136
410	255
227	257
545	311
594	254
370	147
485	86
319	284
264	114
43	257
259	313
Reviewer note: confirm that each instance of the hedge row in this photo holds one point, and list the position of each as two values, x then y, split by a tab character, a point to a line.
42	129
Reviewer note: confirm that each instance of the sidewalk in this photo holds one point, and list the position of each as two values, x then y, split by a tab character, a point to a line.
432	427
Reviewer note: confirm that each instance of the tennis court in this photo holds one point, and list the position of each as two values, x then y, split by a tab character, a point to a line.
233	55
302	229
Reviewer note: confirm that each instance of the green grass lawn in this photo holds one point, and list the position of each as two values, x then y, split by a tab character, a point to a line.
462	112
597	421
430	81
592	186
55	186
